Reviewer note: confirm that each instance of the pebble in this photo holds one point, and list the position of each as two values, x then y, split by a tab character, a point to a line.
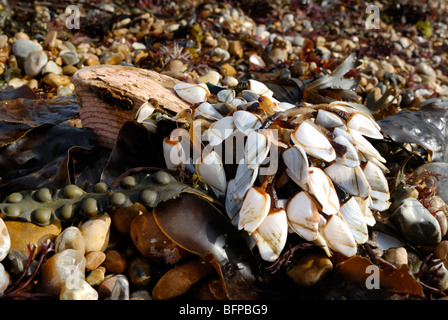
310	269
70	238
92	61
236	48
17	82
228	70
50	39
5	279
51	67
138	46
396	256
35	62
95	277
5	240
83	291
69	70
221	53
23	233
106	287
140	272
425	69
176	65
96	232
120	290
65	91
19	262
441	251
69	57
113	59
152	243
63	268
94	259
56	80
441	169
179	280
416	223
140	295
122	216
115	262
212	77
22	48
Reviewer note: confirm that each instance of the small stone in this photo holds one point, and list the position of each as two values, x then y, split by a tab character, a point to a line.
228	70
310	269
122	216
50	39
5	279
120	290
69	57
34	62
92	61
179	280
113	59
278	55
69	70
221	53
63	268
211	77
235	48
152	243
95	277
96	232
94	259
115	262
320	41
396	256
140	295
19	262
425	69
33	84
70	238
5	240
441	251
56	80
140	272
22	48
83	291
3	40
23	233
400	193
176	65
416	223
65	91
106	287
138	46
230	81
51	67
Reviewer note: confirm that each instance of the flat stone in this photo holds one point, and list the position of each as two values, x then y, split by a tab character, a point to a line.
396	256
35	62
178	280
95	277
83	291
22	48
416	223
70	57
310	269
65	268
94	259
23	233
50	39
69	70
5	240
51	67
70	238
56	80
115	262
113	59
425	69
96	232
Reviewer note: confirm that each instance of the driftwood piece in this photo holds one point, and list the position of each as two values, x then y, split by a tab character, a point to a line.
111	95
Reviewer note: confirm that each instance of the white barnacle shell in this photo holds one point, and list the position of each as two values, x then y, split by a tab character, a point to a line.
303	216
364	124
256	149
219	131
296	162
208	111
351	179
270	237
246	121
313	142
226	95
323	190
176	148
339	237
255	208
355	219
211	170
192	93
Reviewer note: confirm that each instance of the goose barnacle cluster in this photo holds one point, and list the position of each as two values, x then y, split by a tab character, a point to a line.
248	147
